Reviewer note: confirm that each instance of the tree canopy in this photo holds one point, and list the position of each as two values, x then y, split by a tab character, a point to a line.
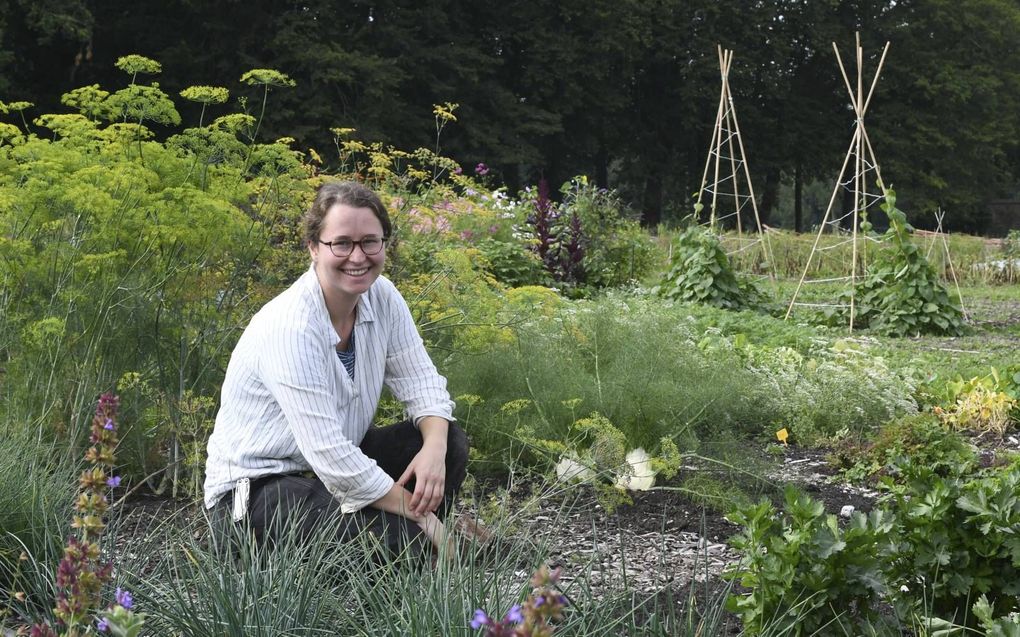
622	90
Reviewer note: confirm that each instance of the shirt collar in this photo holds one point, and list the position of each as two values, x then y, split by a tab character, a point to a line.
311	281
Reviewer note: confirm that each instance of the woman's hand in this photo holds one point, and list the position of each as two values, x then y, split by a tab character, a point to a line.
428	468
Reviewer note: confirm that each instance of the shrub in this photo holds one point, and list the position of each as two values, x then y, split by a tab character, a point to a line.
590	241
512	263
616	249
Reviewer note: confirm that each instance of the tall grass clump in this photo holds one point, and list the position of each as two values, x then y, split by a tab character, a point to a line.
78	584
834	255
193	585
36	494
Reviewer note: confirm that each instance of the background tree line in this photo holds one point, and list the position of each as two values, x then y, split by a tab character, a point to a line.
623	90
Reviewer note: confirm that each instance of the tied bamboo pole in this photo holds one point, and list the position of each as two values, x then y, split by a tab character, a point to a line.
862	152
726	123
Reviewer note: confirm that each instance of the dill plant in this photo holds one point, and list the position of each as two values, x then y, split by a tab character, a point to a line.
132	256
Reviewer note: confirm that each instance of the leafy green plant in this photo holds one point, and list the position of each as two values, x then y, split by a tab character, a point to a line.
512	263
616	249
981	403
1004	626
901	293
957	539
803	564
982	410
700	272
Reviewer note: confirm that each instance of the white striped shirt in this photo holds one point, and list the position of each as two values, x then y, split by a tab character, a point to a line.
288	404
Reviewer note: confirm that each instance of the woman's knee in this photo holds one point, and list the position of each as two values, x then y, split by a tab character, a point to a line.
457	445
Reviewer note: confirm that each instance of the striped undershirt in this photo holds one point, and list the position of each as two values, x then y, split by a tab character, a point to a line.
346	356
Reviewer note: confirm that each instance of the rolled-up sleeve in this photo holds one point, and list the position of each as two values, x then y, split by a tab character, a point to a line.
410	373
299	381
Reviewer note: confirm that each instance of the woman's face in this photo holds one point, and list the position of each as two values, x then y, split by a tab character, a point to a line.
353	274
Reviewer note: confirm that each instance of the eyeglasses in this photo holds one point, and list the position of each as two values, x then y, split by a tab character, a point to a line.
344	247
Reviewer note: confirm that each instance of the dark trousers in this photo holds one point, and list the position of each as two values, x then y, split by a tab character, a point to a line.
292	503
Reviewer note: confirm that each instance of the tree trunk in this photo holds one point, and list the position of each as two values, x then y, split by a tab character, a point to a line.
602	167
651	204
768	199
798	199
846	211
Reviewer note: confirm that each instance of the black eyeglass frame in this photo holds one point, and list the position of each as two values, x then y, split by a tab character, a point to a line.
360	243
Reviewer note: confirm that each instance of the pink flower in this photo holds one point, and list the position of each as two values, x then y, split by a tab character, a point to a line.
481	169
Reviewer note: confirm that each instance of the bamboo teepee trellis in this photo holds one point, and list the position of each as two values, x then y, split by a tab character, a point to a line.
863	163
946	255
728	163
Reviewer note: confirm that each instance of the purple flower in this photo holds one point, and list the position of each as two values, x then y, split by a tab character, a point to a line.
480	619
539	600
481	169
515	615
108	425
102	625
124	599
562	600
458	170
113	482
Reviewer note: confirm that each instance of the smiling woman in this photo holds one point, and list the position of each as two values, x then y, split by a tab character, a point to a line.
293	441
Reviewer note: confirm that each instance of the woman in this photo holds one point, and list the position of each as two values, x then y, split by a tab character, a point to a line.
293	442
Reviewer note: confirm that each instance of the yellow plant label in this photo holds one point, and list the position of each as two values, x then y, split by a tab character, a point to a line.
782	434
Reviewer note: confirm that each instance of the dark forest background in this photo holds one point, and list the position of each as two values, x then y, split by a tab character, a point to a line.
625	91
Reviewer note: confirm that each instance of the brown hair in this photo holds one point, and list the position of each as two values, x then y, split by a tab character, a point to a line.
348	193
